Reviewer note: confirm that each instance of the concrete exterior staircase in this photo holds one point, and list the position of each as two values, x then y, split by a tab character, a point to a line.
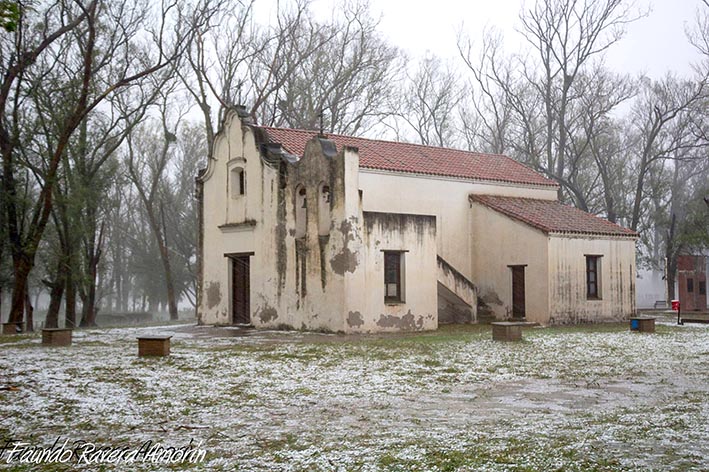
457	296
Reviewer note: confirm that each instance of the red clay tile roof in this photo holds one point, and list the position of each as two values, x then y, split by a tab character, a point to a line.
418	159
551	216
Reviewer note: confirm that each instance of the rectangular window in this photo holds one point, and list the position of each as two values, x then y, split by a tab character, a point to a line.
238	183
392	276
593	274
690	285
702	287
242	184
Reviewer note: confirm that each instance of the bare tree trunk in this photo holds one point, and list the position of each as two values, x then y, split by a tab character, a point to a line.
55	295
150	198
29	313
21	268
70	300
88	312
93	255
165	256
671	254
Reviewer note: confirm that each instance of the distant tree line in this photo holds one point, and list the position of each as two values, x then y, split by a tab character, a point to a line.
108	110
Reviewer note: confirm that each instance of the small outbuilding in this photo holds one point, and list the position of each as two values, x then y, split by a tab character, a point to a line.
550	263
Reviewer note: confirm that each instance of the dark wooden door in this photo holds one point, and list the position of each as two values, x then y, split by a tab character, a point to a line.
518	292
692	282
241	307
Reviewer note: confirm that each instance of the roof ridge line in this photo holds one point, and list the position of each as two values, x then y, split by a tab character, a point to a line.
419	159
428	146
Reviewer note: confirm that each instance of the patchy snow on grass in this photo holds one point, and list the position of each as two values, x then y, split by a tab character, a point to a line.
577	398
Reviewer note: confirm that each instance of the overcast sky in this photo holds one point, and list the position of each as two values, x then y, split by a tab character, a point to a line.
653	45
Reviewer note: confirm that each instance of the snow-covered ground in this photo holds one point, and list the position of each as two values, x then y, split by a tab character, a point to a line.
583	398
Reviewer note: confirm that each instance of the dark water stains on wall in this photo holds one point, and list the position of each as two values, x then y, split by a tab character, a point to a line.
214	294
301	267
346	259
484	310
266	314
355	319
281	250
402	223
408	322
322	245
490	297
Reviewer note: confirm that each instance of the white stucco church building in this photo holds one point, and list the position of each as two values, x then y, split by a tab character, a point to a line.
344	234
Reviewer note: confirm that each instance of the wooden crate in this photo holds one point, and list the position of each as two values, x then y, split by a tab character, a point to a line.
56	336
507	331
642	325
13	328
155	345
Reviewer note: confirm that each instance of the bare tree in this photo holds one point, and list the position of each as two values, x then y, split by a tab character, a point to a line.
663	126
487	117
699	35
148	161
77	62
428	101
567	35
216	67
595	154
677	212
346	86
282	49
181	220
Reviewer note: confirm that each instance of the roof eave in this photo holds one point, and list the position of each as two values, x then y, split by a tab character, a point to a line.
593	234
377	170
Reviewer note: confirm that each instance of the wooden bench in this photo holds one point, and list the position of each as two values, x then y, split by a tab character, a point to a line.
13	328
507	330
642	324
695	317
154	345
56	336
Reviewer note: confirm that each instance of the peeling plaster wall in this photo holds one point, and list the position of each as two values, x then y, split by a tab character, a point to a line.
499	242
302	281
567	287
228	224
446	198
366	309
